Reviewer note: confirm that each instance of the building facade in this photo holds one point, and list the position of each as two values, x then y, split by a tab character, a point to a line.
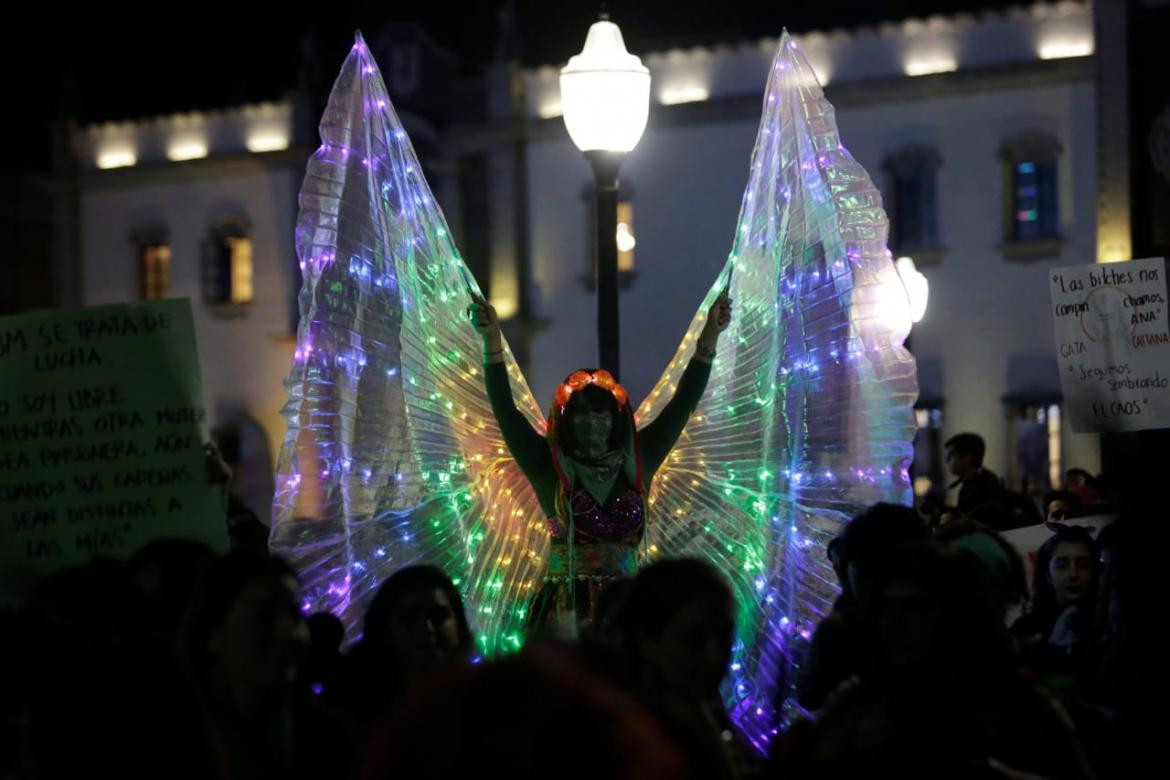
983	133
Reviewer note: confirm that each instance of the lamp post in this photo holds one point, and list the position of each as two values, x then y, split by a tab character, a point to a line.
605	96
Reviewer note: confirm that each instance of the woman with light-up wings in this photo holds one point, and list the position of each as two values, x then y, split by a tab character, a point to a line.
593	467
395	455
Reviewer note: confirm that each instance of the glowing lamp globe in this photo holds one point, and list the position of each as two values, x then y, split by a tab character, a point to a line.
917	288
605	93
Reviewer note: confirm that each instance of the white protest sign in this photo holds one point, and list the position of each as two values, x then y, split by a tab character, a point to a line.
1113	342
1028	540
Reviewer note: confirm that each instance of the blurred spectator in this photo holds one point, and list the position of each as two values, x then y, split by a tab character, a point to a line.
244	642
1061	505
246	534
1082	483
837	649
1000	561
940	695
533	716
99	693
414	627
166	572
678	623
976	485
1055	633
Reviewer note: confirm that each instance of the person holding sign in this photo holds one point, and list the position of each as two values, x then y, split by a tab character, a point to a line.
102	431
1055	632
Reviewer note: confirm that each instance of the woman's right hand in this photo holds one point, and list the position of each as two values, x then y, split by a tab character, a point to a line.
485	320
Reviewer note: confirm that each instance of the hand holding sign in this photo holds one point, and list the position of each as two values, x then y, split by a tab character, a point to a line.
101	438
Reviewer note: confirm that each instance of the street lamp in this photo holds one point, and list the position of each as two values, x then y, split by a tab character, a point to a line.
605	97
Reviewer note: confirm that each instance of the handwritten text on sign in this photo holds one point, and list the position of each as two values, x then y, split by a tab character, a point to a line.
101	434
1113	339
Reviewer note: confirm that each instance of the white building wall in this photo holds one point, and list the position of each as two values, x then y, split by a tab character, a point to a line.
988	329
244	359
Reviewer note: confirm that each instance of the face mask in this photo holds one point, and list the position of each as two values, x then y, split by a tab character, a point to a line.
591	431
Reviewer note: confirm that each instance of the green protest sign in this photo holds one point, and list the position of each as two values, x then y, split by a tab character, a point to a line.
101	438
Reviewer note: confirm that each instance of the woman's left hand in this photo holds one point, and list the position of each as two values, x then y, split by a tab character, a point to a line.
719	317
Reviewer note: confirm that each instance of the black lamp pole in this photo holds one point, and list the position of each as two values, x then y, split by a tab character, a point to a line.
605	176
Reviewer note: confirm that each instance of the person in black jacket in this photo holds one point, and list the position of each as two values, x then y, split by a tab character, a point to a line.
977	485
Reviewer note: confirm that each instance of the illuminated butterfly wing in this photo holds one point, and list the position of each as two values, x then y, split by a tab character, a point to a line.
808	414
392	455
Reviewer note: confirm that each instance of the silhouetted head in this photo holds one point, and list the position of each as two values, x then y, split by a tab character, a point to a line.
244	630
416	622
870	536
1066	569
678	624
965	453
1062	505
934	608
1000	560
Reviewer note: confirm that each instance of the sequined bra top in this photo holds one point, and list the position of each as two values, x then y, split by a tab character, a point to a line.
619	519
605	542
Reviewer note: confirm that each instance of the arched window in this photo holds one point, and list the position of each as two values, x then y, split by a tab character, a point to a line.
1035	442
913	203
155	266
927	467
227	264
1030	185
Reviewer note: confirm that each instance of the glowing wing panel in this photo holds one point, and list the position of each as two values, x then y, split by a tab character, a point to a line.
808	414
392	454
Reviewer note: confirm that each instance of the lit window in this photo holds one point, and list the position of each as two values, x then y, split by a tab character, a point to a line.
1055	462
1034	200
927	468
1030	183
1037	463
227	267
240	252
155	271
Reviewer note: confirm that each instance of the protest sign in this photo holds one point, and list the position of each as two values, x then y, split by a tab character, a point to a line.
1113	344
101	438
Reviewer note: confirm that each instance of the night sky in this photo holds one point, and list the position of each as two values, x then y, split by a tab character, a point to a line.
130	60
